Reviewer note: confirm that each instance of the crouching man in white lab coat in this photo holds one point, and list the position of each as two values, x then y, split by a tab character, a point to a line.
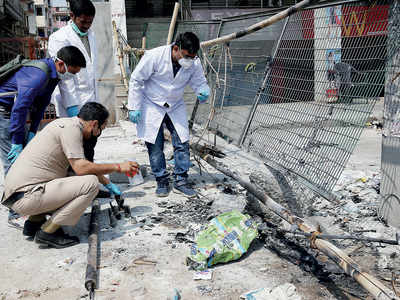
156	98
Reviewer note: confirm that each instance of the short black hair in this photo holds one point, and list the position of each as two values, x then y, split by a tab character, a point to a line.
92	111
82	7
188	41
72	56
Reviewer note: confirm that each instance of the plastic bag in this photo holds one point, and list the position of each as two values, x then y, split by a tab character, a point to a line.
227	237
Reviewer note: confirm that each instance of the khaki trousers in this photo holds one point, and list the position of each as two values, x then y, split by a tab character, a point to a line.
66	198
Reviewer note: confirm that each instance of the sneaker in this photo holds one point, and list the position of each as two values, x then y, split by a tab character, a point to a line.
30	228
184	189
58	239
162	189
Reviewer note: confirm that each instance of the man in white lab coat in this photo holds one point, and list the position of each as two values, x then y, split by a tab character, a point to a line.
74	93
156	98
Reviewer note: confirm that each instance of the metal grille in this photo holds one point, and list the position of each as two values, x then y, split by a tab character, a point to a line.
320	89
156	34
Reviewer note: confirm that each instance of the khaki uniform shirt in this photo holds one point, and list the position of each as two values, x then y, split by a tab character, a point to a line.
45	158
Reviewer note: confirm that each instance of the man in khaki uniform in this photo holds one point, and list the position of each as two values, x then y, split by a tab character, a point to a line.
37	183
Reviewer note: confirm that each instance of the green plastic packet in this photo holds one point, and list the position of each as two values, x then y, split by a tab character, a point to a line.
227	237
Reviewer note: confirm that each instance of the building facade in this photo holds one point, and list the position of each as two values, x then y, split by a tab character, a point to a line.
59	13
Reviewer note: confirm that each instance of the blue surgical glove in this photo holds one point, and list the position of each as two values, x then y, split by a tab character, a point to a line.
72	111
203	95
113	189
16	149
30	136
135	116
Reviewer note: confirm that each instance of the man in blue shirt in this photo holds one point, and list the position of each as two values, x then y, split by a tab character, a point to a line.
29	90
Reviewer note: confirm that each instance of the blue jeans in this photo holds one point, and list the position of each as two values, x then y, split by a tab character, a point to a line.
5	146
157	158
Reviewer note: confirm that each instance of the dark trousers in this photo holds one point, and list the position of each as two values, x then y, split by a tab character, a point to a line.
181	154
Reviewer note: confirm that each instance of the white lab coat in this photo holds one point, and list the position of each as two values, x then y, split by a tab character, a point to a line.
153	84
83	87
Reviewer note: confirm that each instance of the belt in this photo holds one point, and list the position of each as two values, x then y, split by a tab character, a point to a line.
9	202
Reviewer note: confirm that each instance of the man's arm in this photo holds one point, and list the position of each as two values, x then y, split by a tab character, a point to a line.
38	111
30	81
198	81
84	167
141	73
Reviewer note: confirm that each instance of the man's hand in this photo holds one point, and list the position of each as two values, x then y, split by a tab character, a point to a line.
16	149
30	137
203	95
135	116
113	189
128	167
72	111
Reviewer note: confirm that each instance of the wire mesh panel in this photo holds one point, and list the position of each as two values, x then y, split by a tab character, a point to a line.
320	89
237	70
156	34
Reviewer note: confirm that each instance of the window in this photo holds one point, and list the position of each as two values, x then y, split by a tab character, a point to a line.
39	11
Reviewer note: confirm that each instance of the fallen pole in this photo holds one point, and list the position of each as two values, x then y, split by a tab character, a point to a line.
344	237
93	241
351	267
255	27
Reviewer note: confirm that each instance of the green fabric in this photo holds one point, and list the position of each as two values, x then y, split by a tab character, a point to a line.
227	237
7	70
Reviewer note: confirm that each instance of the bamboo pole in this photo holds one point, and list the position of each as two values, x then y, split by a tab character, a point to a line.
271	20
173	22
367	281
144	38
120	56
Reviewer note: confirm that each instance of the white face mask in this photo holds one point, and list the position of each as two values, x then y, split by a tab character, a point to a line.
186	63
64	76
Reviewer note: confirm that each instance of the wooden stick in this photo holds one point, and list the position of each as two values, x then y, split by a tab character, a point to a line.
120	56
351	268
173	22
144	36
271	20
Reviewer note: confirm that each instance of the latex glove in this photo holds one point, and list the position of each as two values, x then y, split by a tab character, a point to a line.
16	149
72	111
30	136
113	189
203	95
135	116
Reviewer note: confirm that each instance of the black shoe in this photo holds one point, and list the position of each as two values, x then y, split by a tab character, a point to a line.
162	189
103	194
30	228
58	239
185	189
